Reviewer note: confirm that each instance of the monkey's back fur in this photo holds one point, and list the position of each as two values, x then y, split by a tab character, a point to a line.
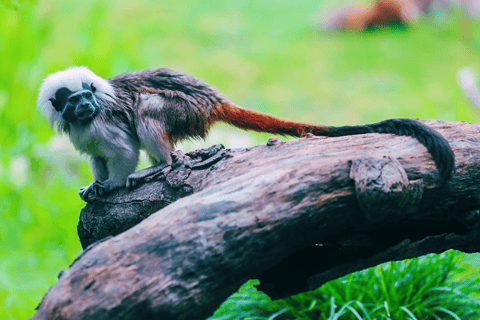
187	102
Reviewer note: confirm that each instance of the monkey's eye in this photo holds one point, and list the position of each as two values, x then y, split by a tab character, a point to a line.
55	104
93	87
88	95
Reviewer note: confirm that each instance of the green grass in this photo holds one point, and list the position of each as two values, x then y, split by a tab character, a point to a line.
431	287
268	55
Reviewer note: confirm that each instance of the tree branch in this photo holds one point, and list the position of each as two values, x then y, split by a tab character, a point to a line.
287	213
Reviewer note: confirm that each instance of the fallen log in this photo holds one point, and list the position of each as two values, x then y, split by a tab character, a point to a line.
292	214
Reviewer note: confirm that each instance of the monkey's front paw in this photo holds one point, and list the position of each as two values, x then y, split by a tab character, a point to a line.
96	190
86	193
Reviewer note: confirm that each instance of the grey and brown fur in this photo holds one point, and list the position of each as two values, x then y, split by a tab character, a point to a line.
112	119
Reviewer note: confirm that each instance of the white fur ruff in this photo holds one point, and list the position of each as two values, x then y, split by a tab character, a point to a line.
71	79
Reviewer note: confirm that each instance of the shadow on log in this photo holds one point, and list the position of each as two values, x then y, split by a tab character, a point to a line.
287	213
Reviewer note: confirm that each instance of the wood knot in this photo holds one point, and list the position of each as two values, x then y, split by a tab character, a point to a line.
383	190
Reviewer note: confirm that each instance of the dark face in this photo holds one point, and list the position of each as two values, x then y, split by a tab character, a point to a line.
78	105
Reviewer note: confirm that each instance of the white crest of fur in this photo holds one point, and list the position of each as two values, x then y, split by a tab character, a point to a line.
71	79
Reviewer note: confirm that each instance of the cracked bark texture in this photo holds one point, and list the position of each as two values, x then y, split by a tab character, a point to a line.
285	213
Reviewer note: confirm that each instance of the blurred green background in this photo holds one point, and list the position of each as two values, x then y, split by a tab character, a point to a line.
267	55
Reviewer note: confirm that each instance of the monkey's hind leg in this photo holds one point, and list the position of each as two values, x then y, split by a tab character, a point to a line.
154	139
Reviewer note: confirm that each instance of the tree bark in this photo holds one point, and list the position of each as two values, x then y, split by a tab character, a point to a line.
292	214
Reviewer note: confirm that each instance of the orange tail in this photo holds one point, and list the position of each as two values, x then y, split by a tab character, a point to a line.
248	119
435	143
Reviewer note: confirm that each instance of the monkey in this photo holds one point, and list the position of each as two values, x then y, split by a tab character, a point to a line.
112	119
362	17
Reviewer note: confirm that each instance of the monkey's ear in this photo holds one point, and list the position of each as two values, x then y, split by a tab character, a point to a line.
93	88
55	104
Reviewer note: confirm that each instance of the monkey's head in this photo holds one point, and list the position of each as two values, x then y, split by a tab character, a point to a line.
78	105
74	95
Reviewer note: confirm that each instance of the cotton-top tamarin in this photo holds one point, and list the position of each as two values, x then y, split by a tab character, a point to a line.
112	119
